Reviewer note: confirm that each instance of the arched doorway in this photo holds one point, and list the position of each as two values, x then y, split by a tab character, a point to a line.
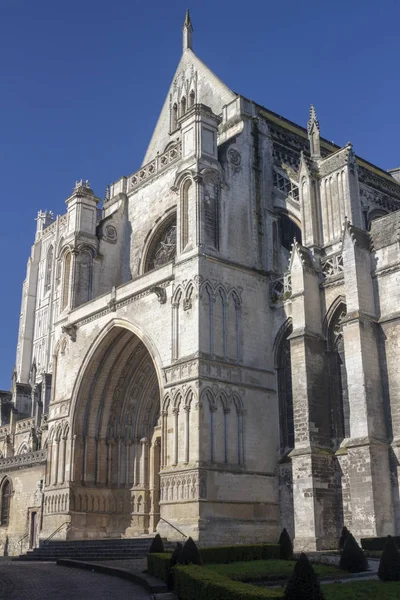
115	458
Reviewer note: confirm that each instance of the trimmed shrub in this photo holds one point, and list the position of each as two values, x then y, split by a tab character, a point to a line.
285	546
227	554
189	554
159	565
343	537
157	545
377	544
353	558
389	565
303	584
197	583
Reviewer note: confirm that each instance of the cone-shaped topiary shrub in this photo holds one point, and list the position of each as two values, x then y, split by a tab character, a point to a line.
353	558
285	546
156	545
303	584
190	554
343	537
389	565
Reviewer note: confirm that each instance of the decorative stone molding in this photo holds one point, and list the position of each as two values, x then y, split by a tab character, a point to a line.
183	486
23	460
158	164
24	425
58	410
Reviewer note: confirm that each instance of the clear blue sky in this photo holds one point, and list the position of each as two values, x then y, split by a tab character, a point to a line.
82	83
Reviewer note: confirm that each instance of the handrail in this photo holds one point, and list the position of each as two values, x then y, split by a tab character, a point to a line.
173	526
22	539
55	531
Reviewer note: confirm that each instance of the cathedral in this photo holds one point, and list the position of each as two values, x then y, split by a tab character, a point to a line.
213	348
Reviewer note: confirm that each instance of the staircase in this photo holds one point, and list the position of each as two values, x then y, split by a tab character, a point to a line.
92	550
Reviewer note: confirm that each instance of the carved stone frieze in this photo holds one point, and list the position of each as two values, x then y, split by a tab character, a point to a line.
58	410
183	486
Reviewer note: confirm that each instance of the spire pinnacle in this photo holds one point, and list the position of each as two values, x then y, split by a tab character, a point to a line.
313	119
313	133
187	32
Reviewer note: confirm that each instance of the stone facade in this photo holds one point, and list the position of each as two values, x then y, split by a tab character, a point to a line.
214	347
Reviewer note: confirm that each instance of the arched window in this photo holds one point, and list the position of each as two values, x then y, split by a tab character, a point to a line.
289	231
338	392
5	502
192	99
84	277
162	248
285	393
66	281
183	105
174	117
49	266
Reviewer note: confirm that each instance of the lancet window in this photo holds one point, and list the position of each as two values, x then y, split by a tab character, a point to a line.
66	281
5	502
49	266
285	393
338	391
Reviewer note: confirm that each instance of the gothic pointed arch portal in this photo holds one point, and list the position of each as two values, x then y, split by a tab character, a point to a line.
116	441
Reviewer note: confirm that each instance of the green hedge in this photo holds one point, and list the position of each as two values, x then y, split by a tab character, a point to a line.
377	543
197	583
227	554
158	565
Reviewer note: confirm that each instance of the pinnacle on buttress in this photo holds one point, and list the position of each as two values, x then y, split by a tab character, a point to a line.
187	32
313	133
313	119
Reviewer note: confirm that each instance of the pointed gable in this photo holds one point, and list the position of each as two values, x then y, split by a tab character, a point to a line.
193	82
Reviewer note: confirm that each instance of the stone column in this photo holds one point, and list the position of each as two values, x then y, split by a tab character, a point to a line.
187	432
175	412
56	443
62	460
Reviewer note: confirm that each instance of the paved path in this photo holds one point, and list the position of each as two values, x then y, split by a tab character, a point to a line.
36	581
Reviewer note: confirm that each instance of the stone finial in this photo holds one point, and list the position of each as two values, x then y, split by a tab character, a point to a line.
82	184
313	133
187	32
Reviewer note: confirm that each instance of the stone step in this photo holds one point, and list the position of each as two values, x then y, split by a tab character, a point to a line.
102	549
